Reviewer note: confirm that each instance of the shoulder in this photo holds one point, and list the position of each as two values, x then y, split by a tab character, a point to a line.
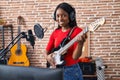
55	32
77	29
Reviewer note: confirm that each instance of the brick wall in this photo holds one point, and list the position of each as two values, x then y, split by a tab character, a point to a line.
104	42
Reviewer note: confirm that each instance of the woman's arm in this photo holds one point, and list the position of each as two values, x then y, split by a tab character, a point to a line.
78	50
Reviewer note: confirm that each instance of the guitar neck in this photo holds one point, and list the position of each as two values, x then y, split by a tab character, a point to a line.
19	42
62	49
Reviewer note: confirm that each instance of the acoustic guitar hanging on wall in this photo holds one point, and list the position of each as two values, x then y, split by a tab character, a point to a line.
18	51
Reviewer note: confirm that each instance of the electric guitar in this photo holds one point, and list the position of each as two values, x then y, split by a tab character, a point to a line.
18	51
92	27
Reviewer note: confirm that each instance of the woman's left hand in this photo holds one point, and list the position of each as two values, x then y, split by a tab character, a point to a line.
82	39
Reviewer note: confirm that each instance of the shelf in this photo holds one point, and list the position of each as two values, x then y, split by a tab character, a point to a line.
89	75
2	28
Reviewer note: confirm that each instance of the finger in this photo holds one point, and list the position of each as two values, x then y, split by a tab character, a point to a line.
52	55
83	38
80	38
85	35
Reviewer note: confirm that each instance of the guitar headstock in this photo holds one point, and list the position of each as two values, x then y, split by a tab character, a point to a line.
94	25
20	20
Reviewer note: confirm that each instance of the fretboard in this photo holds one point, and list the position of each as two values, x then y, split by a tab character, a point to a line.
19	42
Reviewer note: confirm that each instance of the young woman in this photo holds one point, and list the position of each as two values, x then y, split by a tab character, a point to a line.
65	16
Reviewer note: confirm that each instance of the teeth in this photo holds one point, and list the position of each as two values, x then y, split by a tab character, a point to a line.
61	22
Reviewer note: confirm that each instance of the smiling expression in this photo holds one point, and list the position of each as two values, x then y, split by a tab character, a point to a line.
62	18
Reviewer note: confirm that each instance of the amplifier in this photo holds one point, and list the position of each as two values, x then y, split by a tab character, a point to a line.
88	68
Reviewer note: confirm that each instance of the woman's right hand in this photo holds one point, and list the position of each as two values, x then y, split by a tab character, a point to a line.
50	59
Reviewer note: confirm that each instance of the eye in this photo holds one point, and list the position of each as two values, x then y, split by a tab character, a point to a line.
64	15
57	16
61	16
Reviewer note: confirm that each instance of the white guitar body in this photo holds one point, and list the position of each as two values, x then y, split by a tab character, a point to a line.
57	58
92	27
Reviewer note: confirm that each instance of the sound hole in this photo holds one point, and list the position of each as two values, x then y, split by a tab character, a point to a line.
18	52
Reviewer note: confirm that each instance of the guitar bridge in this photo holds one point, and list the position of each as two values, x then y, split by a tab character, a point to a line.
18	62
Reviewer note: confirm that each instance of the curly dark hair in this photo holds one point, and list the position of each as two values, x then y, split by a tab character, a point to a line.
69	9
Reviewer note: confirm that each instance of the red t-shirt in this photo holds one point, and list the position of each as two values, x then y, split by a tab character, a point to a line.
56	38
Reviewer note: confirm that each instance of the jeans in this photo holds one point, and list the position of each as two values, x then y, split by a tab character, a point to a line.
72	72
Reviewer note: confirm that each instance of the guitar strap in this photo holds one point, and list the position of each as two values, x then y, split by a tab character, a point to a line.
67	38
71	31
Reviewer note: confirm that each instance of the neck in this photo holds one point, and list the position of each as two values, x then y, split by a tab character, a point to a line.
65	28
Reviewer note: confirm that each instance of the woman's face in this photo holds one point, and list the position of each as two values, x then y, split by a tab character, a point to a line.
62	18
